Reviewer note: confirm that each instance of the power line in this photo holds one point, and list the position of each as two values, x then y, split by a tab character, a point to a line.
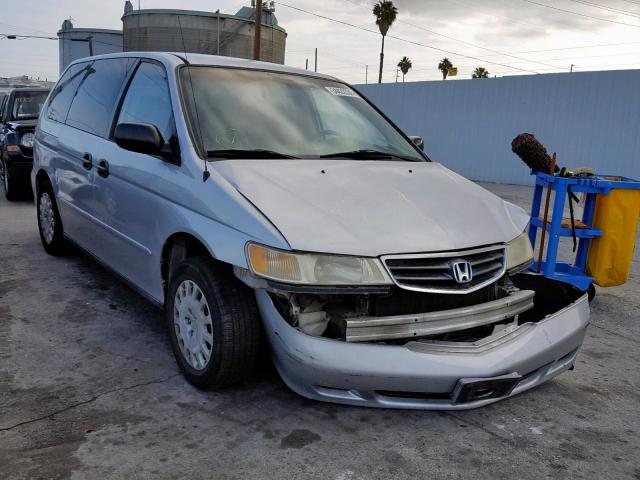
579	47
402	39
433	32
580	14
15	36
610	9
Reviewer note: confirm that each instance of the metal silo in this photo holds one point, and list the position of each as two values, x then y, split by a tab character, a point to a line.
75	43
212	33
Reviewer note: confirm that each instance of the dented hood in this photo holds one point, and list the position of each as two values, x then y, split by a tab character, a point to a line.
372	208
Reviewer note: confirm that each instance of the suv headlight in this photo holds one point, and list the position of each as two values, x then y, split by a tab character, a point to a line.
519	253
26	140
315	269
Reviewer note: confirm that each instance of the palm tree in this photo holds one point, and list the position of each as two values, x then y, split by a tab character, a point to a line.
404	65
444	66
480	72
385	13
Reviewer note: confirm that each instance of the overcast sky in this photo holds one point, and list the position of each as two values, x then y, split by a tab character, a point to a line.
485	29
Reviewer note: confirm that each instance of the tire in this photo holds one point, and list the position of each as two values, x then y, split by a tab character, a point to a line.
591	292
49	222
225	326
8	183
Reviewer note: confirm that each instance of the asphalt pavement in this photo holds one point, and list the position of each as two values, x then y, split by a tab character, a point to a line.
89	389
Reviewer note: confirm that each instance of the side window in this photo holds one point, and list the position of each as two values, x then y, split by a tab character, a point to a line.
93	105
64	91
148	100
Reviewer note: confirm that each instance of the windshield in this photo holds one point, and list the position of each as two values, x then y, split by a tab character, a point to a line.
276	115
27	105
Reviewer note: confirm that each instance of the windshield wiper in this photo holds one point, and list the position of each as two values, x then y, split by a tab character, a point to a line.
248	154
367	155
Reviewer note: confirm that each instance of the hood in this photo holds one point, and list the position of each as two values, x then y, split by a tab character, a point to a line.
373	208
23	124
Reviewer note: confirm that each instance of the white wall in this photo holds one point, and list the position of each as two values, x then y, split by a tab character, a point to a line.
589	119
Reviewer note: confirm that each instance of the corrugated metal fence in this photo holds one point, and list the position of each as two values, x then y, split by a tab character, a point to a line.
589	119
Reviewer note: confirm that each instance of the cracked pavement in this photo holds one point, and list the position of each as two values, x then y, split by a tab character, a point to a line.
89	389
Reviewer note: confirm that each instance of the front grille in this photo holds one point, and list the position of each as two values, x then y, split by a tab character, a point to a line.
435	272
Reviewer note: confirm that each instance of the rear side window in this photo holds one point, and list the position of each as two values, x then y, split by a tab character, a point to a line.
148	100
93	105
62	95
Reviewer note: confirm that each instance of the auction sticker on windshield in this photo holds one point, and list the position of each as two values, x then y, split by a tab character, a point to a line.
342	92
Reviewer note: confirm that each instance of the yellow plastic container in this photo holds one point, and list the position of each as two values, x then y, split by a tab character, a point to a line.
616	214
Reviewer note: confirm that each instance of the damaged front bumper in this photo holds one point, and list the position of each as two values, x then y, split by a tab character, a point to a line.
432	374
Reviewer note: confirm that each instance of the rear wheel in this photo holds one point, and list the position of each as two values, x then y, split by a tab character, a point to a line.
8	182
213	324
49	223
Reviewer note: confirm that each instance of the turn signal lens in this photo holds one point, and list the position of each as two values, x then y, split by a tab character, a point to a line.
314	269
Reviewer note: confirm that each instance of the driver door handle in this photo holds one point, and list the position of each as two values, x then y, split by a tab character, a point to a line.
86	161
103	168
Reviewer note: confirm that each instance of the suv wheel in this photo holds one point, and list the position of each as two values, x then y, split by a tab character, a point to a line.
213	324
8	183
49	223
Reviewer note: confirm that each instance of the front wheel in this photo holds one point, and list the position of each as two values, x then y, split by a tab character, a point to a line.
213	324
8	182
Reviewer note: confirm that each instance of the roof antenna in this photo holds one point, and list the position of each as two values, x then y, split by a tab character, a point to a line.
205	173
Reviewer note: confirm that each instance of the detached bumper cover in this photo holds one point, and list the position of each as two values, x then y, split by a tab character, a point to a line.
422	375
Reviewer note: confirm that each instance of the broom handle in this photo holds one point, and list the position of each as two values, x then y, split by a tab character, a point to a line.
546	213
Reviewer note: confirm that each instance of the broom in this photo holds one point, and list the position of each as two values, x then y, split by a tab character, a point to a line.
535	156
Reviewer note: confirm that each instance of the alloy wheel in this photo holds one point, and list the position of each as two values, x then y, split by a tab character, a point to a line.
193	325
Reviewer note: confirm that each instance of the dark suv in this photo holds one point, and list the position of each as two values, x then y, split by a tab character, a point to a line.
18	117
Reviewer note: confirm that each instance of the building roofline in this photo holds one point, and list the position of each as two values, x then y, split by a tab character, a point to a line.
90	30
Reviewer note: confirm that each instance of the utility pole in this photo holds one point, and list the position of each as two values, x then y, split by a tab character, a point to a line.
397	72
306	64
315	65
88	39
366	74
571	68
257	31
218	34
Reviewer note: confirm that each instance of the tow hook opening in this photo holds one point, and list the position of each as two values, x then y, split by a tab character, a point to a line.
400	316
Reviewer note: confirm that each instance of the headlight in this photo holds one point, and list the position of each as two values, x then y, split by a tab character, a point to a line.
26	140
314	269
519	253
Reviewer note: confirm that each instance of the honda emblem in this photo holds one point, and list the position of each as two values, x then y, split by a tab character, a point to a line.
462	271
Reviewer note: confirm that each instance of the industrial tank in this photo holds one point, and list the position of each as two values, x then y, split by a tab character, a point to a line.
203	32
75	43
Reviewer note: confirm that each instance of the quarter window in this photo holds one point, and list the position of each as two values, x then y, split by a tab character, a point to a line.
148	100
94	103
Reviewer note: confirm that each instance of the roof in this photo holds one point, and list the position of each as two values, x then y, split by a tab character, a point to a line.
89	30
177	58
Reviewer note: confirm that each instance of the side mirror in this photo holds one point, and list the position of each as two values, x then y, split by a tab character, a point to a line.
418	141
139	137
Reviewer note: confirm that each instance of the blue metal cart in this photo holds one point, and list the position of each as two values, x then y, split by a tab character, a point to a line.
573	273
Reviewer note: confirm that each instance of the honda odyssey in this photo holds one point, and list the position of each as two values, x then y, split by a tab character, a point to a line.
259	203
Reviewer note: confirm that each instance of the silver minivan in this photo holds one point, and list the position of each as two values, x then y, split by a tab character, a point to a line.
257	204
